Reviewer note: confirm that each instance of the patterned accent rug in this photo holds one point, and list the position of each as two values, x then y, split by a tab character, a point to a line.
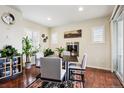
52	84
39	83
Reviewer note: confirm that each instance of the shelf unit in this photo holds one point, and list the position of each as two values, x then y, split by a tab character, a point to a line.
16	65
10	67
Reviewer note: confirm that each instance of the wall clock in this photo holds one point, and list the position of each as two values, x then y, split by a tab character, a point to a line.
8	18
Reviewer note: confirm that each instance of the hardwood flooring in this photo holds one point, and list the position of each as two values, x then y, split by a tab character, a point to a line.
22	81
95	78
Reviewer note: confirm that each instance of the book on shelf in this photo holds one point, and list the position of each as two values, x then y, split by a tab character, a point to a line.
7	59
1	72
16	71
7	73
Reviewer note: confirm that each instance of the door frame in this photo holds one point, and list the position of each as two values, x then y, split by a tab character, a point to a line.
114	45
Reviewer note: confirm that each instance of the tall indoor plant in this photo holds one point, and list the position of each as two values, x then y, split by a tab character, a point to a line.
27	50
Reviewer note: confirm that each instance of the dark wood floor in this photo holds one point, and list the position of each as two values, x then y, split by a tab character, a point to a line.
94	79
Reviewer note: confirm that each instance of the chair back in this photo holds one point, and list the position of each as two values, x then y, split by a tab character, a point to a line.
39	55
37	59
51	68
84	61
66	53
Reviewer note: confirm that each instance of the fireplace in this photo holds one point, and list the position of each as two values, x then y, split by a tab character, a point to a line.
73	47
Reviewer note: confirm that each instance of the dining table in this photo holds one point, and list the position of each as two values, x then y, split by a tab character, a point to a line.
69	59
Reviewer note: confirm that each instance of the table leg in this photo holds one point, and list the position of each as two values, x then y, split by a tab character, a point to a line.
66	78
67	72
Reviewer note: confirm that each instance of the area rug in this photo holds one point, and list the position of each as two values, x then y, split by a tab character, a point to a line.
52	84
39	83
49	84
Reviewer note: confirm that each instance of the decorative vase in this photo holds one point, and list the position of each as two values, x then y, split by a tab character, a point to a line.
28	62
28	65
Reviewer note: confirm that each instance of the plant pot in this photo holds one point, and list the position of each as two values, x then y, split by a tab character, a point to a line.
28	65
60	55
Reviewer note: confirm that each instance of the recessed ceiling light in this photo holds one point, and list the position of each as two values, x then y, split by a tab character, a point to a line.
49	19
80	9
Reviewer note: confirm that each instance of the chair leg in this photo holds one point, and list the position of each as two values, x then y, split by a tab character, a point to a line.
83	80
82	77
69	74
83	85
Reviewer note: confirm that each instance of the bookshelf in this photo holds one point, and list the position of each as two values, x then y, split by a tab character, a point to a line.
10	67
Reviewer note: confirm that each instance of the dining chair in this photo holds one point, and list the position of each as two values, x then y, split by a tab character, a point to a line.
37	59
66	53
79	70
51	68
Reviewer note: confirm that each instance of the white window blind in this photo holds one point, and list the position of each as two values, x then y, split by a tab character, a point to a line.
34	36
36	39
28	33
98	34
54	38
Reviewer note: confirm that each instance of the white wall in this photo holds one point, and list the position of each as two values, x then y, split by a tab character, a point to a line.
38	28
98	54
11	34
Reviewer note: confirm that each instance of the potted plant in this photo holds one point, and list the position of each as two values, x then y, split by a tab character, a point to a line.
48	52
60	50
27	50
9	51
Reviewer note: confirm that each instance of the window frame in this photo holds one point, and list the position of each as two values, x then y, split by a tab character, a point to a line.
93	32
52	40
32	35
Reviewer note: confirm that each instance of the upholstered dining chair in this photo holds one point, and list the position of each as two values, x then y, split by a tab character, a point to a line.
78	69
37	59
51	68
66	53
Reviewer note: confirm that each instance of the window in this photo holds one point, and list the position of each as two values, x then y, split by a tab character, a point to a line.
36	39
28	33
98	35
54	38
34	36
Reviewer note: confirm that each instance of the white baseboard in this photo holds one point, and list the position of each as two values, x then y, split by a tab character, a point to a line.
109	69
118	76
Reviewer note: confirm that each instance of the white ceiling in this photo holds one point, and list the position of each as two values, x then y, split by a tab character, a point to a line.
62	14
